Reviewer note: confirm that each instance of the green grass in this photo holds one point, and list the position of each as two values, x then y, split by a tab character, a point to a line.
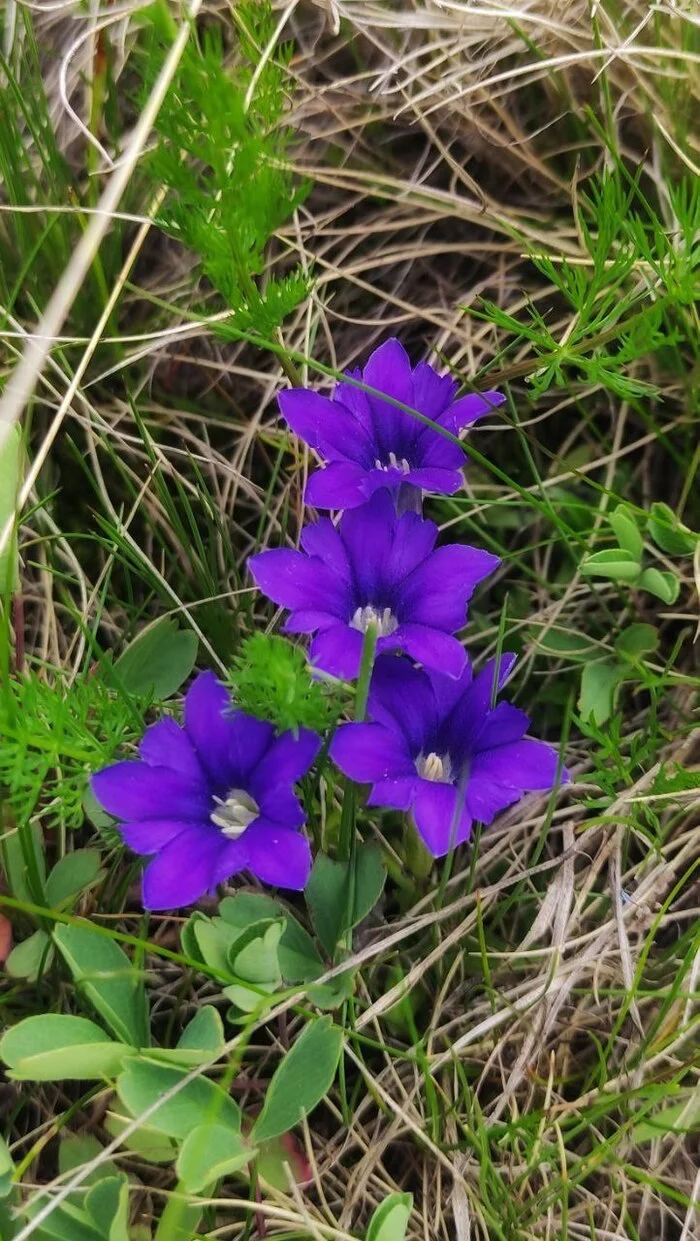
520	205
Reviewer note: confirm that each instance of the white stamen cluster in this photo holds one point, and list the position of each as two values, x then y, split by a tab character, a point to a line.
393	464
234	813
385	622
437	767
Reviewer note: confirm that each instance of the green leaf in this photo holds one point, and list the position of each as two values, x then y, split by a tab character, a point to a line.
199	1102
676	779
669	533
637	641
107	1203
159	660
662	583
10	479
146	1142
302	1079
30	958
257	963
72	874
205	1032
200	1041
390	1220
210	1152
66	1222
335	992
680	1118
599	682
188	938
613	563
214	939
15	865
75	1150
108	979
280	1156
327	893
7	1170
54	1047
297	954
564	643
626	531
249	907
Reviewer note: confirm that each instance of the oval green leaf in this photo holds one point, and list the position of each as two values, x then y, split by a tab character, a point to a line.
302	1079
390	1220
626	531
210	1152
662	583
54	1047
106	976
72	874
197	1102
30	958
159	660
613	563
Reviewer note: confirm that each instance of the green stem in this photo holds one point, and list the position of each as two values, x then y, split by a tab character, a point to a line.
347	821
180	1217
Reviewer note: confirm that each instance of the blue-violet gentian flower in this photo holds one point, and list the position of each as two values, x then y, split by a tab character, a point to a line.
375	567
436	747
211	799
368	443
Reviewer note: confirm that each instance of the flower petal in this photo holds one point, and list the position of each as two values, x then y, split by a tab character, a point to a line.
368	535
136	791
441	816
427	646
435	451
184	870
389	370
166	744
523	764
432	393
294	581
448	691
279	805
326	426
250	740
278	855
209	725
504	724
401	698
394	794
287	760
462	726
442	482
468	408
151	835
370	752
337	651
321	538
437	591
307	621
486	799
414	540
340	485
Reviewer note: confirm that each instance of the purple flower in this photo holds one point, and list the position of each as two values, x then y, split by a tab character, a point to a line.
437	747
369	443
211	799
375	566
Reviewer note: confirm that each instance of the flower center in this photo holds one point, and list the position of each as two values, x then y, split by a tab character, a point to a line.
234	813
437	767
384	622
393	464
